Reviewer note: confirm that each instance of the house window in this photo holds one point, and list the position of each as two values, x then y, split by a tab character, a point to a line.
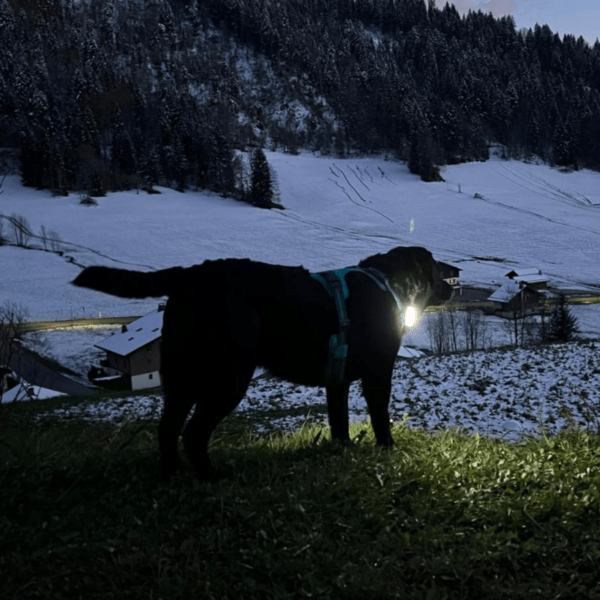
150	376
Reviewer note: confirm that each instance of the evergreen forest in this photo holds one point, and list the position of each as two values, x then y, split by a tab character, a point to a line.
99	95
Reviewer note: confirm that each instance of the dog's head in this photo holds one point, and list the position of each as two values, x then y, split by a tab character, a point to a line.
415	276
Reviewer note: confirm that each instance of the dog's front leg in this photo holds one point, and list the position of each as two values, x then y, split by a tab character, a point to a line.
337	409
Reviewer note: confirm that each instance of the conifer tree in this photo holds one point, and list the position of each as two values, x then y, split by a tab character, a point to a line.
261	184
367	75
563	325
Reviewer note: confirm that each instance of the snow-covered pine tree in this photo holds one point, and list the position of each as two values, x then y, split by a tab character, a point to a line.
563	324
261	184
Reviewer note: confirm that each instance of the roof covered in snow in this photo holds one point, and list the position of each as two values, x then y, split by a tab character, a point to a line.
530	276
506	292
136	335
539	278
522	272
406	352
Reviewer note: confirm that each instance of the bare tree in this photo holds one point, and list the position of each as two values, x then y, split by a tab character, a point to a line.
438	330
452	318
44	236
543	327
510	324
473	327
12	319
51	239
450	331
55	241
522	330
2	217
21	229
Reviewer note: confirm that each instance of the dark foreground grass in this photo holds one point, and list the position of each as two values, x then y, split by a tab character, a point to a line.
82	515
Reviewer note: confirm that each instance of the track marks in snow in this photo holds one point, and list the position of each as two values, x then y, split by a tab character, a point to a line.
538	185
372	238
348	181
343	174
537	215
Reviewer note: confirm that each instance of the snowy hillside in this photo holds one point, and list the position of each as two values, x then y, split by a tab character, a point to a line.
486	218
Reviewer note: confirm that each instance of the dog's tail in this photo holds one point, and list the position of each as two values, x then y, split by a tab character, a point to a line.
130	284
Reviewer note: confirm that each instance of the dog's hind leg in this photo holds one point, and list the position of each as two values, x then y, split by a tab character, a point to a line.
219	400
337	410
377	394
169	427
229	360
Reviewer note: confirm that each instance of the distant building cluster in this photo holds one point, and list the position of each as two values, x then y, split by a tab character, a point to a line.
523	293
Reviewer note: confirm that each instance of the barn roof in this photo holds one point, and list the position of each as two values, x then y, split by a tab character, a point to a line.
535	278
506	292
136	335
523	272
527	276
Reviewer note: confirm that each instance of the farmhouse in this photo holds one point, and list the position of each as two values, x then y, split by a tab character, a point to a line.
135	352
516	298
451	275
529	277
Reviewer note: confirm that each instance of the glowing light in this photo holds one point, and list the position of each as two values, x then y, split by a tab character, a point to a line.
410	316
412	225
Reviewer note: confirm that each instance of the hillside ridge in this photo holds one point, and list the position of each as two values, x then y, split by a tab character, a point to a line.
101	95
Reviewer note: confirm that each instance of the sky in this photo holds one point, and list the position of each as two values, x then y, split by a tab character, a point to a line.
577	17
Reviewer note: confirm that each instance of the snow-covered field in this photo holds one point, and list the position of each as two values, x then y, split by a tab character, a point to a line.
486	218
500	393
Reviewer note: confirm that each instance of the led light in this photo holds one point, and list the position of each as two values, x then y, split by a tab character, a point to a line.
410	316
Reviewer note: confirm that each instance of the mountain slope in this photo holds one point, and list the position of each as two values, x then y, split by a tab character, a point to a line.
101	95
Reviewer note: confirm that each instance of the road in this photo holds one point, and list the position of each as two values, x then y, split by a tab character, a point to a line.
35	371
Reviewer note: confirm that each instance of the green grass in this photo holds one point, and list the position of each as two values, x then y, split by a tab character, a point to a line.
445	515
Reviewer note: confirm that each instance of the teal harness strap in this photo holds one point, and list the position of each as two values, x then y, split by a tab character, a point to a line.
335	284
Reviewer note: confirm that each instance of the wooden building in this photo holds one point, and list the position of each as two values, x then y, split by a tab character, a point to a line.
514	298
135	351
451	275
532	278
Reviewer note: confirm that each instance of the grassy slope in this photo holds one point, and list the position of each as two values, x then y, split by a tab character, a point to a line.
83	515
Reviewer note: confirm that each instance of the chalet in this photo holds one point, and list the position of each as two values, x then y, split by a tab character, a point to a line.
451	274
135	352
532	278
515	298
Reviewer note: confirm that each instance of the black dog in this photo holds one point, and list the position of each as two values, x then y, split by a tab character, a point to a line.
225	317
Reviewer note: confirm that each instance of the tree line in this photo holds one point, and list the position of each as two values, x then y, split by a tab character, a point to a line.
102	94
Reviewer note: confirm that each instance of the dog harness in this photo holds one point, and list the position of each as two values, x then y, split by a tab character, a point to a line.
335	284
